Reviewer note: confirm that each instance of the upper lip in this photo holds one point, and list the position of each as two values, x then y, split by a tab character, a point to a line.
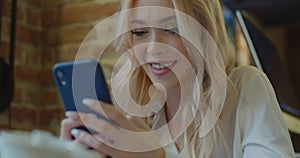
161	65
161	62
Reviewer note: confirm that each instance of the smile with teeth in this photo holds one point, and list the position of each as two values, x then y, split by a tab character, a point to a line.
160	66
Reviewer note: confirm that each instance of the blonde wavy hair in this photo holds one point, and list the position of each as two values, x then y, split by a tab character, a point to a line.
209	69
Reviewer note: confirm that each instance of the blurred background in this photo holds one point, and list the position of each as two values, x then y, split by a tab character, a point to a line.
46	32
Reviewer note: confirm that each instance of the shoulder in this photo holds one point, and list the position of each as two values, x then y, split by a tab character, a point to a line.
257	113
245	74
250	81
253	87
255	96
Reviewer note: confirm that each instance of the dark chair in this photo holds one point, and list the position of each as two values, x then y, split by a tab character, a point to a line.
266	58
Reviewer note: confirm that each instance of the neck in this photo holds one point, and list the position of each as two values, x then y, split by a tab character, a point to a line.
174	97
172	105
172	102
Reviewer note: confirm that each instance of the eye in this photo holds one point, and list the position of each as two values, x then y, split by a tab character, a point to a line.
140	32
172	31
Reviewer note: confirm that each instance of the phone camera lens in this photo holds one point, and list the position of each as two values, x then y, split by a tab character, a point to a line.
60	74
61	77
63	83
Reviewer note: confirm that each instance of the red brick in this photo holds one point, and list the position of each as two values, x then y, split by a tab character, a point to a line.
46	77
32	94
47	3
75	33
5	49
4	119
24	114
26	128
49	58
50	16
33	58
49	95
27	55
56	3
51	114
51	117
87	11
33	16
69	48
36	3
18	94
23	73
67	34
20	54
21	12
28	35
25	93
6	9
67	56
5	32
51	37
4	126
68	51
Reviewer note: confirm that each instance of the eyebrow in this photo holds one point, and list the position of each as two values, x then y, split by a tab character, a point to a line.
166	19
138	22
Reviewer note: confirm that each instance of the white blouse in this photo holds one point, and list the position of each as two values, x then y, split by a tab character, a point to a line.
260	130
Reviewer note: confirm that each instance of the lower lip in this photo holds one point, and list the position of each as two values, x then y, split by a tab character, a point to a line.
160	72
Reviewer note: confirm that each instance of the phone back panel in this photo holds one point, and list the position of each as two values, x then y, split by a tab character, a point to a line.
80	79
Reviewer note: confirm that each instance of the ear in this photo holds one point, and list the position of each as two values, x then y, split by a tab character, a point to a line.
6	85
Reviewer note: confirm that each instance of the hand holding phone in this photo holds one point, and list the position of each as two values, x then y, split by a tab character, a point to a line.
77	80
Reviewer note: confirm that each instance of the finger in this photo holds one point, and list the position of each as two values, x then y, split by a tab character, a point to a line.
91	141
66	126
96	105
91	121
110	112
72	114
138	122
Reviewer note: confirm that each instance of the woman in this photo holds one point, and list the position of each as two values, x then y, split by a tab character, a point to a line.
180	64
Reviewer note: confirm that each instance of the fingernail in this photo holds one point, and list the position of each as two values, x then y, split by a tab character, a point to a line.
128	117
71	114
89	102
75	132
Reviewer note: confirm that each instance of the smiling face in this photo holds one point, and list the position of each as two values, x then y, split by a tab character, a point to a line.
156	42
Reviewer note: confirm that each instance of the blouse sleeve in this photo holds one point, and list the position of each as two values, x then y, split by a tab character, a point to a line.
169	154
261	127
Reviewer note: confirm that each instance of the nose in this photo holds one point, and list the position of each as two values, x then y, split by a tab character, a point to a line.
156	44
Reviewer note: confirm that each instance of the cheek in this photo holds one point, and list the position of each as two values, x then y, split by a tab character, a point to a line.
140	53
181	51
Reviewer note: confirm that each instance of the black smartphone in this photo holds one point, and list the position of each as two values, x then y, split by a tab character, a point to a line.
76	80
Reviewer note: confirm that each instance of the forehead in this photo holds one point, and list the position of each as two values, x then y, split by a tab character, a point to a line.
152	11
159	3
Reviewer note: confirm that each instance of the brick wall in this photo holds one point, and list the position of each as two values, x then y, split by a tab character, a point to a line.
47	32
24	111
